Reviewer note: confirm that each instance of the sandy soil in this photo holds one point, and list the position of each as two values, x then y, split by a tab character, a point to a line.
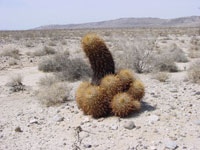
169	118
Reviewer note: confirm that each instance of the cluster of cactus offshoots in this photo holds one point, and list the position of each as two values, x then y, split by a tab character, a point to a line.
109	92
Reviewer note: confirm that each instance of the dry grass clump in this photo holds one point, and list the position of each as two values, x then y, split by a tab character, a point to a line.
164	63
15	83
48	80
195	48
194	72
52	43
65	68
29	44
12	62
55	94
45	51
14	53
161	76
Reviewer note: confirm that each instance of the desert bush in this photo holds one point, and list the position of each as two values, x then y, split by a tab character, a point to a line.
65	68
55	94
164	63
29	44
15	83
177	54
45	51
64	42
11	53
194	72
52	43
75	69
135	55
161	76
48	80
12	62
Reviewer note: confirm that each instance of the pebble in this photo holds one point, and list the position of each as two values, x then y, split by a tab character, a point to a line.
153	118
114	127
197	122
174	90
197	93
129	125
87	145
58	118
18	129
171	145
33	121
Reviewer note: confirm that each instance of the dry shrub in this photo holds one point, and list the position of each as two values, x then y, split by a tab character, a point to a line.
45	51
161	76
195	48
55	94
15	83
47	80
29	44
135	54
164	63
14	53
194	72
66	68
12	62
52	43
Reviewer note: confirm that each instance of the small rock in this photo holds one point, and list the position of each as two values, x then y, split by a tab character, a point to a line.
174	90
18	129
33	121
114	127
87	145
197	122
171	145
153	118
58	118
197	93
153	148
129	125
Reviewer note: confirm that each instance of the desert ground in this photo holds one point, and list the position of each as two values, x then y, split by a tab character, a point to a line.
41	70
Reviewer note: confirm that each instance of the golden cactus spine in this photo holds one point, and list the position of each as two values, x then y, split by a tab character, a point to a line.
137	90
100	58
123	104
94	102
126	77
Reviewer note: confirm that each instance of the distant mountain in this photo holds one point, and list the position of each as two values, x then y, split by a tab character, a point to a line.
193	21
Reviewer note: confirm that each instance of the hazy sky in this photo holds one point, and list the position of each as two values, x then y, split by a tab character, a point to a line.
26	14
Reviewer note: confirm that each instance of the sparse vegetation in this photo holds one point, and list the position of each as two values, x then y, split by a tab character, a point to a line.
55	94
14	53
194	72
161	76
65	68
45	51
15	83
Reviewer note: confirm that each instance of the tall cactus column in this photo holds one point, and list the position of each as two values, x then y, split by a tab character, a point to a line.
100	58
